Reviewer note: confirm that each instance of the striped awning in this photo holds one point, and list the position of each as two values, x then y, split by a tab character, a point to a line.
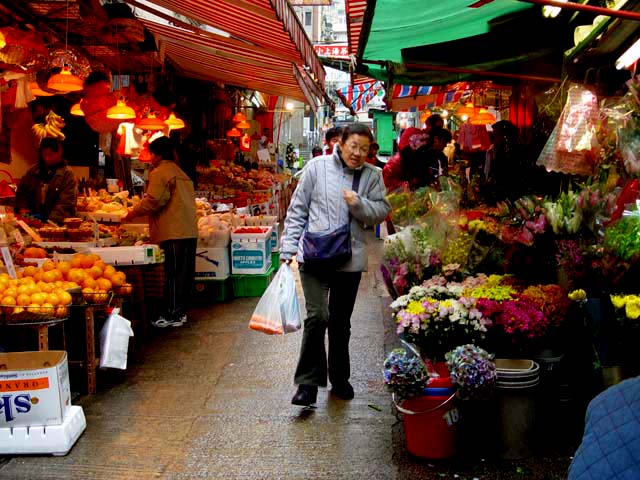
355	10
267	49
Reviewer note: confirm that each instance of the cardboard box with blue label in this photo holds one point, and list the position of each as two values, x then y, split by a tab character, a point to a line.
251	250
34	388
212	263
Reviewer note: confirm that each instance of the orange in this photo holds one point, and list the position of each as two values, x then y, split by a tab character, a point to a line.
30	271
61	312
48	265
95	272
24	290
77	260
63	266
89	283
53	299
17	310
11	292
104	284
49	276
100	296
19	274
9	301
118	279
108	272
65	298
38	298
34	308
88	261
38	276
126	289
100	264
77	275
47	309
23	300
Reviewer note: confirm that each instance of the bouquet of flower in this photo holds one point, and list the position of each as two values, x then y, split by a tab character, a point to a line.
564	215
472	371
623	237
596	207
404	374
551	300
630	304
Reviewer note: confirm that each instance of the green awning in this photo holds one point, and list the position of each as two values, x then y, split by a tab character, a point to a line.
400	24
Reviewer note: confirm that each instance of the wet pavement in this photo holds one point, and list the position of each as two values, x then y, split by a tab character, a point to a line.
211	400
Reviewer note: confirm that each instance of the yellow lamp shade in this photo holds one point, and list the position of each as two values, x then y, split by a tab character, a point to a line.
238	117
37	91
65	81
76	109
234	132
483	117
174	122
151	123
243	124
120	111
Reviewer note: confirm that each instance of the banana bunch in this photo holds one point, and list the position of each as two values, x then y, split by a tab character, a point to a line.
52	127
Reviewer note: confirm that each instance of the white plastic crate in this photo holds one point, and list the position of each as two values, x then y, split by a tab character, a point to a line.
54	439
134	255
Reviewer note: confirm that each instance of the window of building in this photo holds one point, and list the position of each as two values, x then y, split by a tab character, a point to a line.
307	18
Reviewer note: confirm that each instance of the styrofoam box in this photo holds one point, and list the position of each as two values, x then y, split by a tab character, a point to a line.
54	439
34	388
134	255
275	244
212	263
251	253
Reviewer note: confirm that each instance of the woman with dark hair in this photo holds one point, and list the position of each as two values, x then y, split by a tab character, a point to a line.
170	204
336	191
49	189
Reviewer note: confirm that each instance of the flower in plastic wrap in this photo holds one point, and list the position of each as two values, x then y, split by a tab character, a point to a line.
404	374
472	371
623	236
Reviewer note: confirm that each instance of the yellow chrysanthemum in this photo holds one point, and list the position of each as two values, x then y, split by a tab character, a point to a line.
632	309
494	280
578	295
618	301
415	308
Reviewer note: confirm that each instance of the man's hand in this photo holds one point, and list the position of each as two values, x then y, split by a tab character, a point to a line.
350	197
286	260
129	217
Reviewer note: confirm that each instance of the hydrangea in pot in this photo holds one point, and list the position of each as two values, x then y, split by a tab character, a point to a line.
404	374
473	371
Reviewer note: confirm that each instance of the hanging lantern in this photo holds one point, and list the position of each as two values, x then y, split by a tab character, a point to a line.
65	81
174	122
483	117
243	125
151	123
234	132
469	110
76	109
37	91
239	117
120	111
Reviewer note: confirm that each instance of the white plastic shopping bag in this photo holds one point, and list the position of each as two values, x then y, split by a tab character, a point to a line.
114	341
278	311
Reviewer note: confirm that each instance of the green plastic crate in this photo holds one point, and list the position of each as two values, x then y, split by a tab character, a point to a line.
206	292
251	285
275	261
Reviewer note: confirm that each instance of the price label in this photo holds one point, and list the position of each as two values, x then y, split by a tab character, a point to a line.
18	236
8	262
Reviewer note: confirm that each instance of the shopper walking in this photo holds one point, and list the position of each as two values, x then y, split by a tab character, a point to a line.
169	203
337	195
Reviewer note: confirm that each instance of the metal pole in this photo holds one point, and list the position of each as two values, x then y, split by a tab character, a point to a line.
625	14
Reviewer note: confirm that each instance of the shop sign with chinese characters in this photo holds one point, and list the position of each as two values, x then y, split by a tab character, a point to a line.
338	50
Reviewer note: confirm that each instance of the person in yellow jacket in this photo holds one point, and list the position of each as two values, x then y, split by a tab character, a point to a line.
170	204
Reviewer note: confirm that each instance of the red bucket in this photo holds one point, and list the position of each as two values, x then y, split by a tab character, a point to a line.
430	425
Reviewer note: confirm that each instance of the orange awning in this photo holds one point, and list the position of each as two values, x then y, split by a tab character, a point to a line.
267	50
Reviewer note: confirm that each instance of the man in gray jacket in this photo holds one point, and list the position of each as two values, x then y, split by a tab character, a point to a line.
323	202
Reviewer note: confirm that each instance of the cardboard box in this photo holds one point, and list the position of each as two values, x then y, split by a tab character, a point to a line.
34	388
251	253
212	263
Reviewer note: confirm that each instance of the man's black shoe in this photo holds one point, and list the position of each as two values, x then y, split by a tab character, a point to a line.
305	396
343	391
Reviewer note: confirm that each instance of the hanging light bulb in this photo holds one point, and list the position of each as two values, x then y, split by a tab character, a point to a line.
239	117
174	122
120	111
37	91
76	109
234	132
243	125
483	117
151	122
65	81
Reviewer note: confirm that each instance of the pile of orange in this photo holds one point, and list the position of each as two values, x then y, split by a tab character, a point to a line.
44	290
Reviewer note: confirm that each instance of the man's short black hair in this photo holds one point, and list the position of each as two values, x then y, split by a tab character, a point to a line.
356	129
332	133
